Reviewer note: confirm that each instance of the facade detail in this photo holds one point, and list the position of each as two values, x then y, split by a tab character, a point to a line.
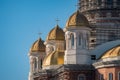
88	48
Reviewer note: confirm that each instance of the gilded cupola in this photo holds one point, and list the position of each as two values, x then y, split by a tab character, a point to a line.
56	34
77	19
114	52
38	46
54	58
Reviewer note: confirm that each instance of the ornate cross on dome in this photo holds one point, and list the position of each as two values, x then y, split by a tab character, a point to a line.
57	20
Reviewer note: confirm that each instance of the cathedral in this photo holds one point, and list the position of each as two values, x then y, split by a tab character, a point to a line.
88	48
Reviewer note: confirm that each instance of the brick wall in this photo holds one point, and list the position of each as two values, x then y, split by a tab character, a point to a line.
105	72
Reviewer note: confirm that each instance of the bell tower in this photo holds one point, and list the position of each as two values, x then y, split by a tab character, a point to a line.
36	55
104	18
77	33
54	48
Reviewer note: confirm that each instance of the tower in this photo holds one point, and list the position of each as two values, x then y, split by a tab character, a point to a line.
55	46
77	33
36	55
104	18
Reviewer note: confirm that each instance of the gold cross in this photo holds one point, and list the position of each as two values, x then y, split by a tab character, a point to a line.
57	20
39	34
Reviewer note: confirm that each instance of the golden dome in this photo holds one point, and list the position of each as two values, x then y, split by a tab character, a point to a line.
77	20
54	58
56	34
114	52
38	46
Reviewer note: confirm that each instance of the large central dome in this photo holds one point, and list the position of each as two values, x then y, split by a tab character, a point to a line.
77	20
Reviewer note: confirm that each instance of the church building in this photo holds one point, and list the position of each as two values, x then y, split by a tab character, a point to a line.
88	48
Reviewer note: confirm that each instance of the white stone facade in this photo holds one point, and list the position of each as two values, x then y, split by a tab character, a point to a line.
77	49
36	59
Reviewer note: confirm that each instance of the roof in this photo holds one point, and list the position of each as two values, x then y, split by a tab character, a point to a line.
56	34
114	52
38	46
77	19
101	49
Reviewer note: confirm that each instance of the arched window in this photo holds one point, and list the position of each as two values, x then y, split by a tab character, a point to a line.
84	42
72	40
81	77
118	75
41	63
80	39
110	76
35	63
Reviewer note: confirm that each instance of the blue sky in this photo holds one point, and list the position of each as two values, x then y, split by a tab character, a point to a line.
20	23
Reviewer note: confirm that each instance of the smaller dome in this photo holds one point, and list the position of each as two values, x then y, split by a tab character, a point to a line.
54	58
56	34
38	46
114	52
77	20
